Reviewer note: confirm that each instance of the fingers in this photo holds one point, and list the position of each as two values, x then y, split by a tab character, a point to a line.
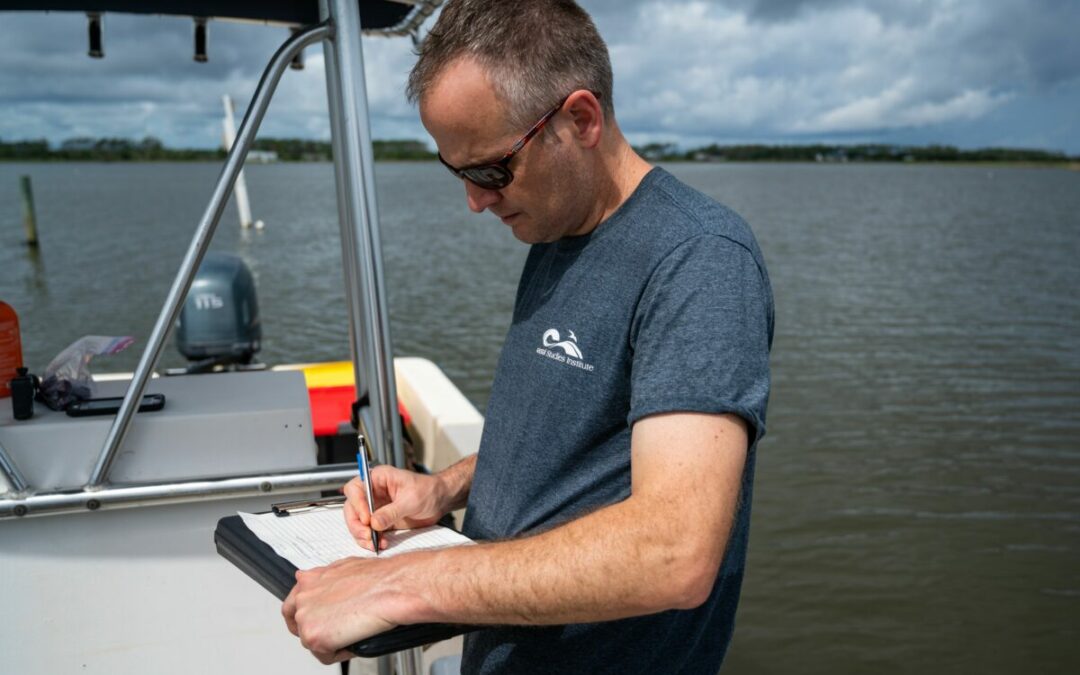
386	517
403	500
357	516
357	498
327	658
323	614
360	532
288	611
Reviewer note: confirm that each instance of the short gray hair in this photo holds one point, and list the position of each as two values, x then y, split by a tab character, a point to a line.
534	51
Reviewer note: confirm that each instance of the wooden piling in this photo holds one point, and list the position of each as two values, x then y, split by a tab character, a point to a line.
29	218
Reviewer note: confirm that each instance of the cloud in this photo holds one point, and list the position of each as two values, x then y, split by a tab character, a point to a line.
897	107
912	12
688	71
796	69
148	83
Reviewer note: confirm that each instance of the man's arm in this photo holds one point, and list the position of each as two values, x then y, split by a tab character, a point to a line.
659	549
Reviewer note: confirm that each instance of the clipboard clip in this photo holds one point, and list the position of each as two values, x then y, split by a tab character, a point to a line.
283	509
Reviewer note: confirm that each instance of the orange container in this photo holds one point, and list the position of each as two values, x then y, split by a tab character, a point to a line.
10	347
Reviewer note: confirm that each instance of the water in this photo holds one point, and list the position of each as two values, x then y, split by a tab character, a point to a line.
918	494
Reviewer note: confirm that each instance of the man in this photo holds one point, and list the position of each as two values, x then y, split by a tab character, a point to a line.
612	487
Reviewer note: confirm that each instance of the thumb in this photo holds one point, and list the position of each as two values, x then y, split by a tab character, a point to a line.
384	518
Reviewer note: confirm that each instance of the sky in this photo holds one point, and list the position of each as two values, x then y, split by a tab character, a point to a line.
969	73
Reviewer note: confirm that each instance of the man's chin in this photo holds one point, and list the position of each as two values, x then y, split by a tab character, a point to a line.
525	236
519	225
525	230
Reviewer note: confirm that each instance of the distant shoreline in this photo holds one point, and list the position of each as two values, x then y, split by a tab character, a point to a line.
1012	164
304	150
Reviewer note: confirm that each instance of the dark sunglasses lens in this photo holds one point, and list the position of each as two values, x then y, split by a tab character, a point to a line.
491	177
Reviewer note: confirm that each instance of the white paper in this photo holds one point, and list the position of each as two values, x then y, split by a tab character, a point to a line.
319	537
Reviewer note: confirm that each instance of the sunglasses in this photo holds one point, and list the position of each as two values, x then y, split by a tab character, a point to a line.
497	175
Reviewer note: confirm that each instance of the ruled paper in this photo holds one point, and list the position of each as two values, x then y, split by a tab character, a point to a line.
319	537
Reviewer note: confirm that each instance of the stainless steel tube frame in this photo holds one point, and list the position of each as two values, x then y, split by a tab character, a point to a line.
199	244
147	494
421	10
362	248
355	306
369	337
11	472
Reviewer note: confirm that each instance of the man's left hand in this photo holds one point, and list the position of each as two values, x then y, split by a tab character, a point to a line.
335	606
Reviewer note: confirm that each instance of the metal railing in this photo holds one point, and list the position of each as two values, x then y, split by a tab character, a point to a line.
199	244
362	266
11	472
155	494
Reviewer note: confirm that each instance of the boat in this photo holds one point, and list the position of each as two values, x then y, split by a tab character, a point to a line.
107	561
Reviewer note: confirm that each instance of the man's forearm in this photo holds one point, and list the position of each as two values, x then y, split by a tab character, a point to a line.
611	564
456	482
659	549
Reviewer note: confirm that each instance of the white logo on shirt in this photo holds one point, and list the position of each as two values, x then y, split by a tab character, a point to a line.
571	353
569	347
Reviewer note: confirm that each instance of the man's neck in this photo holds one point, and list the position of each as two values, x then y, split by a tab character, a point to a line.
623	170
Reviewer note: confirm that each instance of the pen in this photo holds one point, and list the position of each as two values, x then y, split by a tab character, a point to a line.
362	466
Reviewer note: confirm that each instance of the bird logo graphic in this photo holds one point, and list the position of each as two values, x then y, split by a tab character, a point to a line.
552	340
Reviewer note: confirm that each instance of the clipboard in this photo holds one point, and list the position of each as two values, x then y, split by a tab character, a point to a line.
239	545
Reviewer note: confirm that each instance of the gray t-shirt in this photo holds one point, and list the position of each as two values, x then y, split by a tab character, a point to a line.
666	306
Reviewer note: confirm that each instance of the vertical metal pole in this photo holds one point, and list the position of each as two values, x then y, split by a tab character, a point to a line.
408	662
356	309
29	217
362	253
369	326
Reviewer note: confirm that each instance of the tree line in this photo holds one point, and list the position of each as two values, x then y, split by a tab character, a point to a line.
306	150
151	149
869	152
102	149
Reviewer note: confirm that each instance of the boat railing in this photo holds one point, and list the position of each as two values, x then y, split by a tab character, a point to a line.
199	245
116	496
369	337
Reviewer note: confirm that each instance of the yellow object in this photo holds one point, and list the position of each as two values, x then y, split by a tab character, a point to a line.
320	375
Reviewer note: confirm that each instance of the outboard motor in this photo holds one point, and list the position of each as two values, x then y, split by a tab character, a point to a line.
219	323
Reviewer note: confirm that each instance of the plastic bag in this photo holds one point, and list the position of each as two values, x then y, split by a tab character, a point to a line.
67	378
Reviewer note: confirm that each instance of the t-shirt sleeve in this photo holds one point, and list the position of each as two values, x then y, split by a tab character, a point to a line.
701	334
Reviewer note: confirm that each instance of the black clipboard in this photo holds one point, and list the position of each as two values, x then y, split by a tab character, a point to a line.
237	544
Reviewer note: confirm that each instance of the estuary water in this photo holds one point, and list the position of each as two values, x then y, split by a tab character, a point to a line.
917	504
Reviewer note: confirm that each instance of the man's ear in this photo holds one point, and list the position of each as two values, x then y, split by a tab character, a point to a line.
587	117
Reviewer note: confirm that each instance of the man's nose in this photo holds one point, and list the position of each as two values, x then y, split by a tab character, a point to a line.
479	198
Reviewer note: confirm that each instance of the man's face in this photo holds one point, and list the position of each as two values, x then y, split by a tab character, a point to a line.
544	202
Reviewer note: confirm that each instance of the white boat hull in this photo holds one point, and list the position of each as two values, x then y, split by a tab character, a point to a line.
142	589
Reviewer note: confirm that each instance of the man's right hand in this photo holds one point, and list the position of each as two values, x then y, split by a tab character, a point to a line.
403	500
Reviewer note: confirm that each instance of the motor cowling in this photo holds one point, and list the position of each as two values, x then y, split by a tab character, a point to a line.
219	322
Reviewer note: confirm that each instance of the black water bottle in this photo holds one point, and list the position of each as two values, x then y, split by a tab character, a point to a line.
22	395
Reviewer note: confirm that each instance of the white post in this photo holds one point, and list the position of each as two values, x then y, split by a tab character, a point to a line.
240	189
